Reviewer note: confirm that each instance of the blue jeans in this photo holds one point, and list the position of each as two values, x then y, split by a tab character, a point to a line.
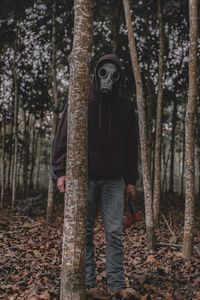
111	202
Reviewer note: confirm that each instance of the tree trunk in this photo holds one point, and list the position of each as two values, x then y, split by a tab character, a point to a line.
26	153
55	111
75	215
183	160
142	129
10	158
149	99
149	125
3	133
198	138
32	153
189	133
14	178
37	162
165	167
174	121
157	161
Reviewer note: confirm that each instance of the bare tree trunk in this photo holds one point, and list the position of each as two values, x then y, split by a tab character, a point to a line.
189	133
14	180
55	111
149	101
33	146
75	215
165	167
183	160
10	159
143	131
157	162
198	138
26	152
149	125
3	133
37	162
174	121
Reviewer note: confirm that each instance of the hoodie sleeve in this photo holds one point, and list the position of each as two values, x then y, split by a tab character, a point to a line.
58	160
131	174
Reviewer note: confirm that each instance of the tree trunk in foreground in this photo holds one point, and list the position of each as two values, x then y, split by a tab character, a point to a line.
189	133
75	214
143	131
157	160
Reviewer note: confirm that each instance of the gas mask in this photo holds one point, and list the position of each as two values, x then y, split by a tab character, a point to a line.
108	75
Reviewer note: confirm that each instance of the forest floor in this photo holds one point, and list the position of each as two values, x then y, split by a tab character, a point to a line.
30	256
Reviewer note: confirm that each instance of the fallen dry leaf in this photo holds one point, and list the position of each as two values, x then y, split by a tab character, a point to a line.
44	295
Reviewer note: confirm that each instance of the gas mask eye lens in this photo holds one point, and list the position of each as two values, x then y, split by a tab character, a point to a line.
102	73
116	75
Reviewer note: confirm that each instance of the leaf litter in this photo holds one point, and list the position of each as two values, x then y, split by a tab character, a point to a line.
30	257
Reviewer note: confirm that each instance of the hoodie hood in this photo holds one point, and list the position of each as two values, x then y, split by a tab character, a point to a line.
108	58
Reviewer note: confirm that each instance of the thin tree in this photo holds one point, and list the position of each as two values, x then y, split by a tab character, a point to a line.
75	213
142	129
55	109
189	133
14	174
157	159
174	123
37	160
2	156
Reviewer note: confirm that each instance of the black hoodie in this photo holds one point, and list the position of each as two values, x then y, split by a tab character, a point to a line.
112	134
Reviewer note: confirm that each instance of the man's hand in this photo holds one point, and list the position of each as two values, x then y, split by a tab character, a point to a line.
131	190
61	184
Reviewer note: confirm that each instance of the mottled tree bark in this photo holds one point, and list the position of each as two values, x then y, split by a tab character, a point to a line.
143	131
55	110
149	99
157	160
75	214
189	133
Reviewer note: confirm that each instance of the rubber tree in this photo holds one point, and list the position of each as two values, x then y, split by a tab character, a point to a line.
142	130
75	212
190	133
158	134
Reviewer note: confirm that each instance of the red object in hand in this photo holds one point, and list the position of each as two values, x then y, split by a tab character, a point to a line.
131	219
127	221
136	216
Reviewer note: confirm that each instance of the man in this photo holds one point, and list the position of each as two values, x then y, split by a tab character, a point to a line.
112	166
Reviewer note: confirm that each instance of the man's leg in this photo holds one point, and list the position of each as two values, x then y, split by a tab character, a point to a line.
90	263
112	208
